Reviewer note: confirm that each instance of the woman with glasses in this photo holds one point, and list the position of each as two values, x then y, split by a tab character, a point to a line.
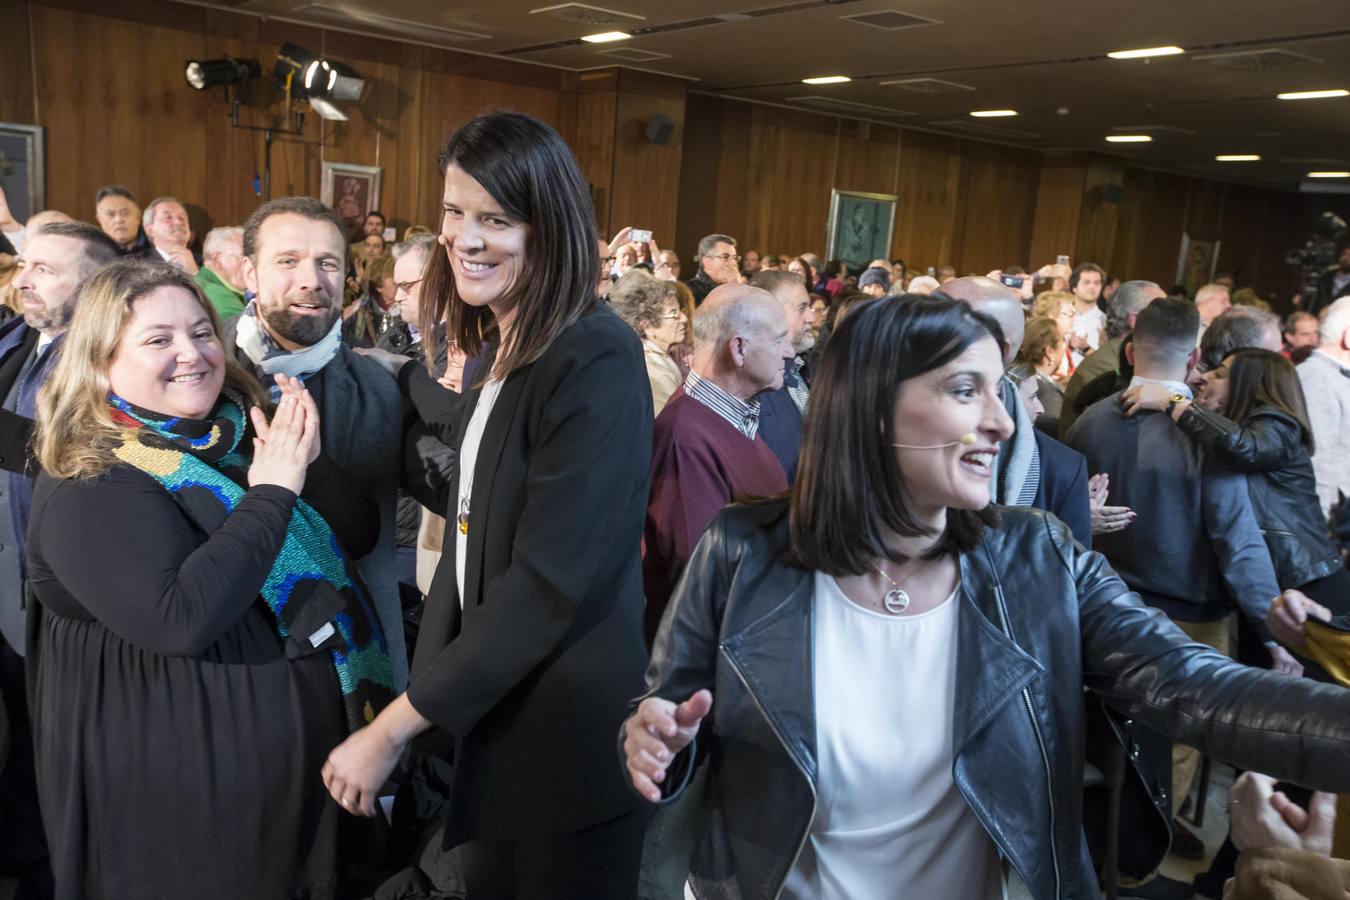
652	308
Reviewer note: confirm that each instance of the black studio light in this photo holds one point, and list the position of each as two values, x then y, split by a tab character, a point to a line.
203	74
308	76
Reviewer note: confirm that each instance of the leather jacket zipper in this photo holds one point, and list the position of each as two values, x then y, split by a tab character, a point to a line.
782	883
1040	740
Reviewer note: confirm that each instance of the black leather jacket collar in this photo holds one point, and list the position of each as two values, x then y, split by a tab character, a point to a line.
1040	618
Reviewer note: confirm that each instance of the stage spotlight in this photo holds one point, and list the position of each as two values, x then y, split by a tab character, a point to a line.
208	73
310	75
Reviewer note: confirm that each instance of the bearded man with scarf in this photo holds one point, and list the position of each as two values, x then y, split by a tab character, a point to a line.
1033	469
294	259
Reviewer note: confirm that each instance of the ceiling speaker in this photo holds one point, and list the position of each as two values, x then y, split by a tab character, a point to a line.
659	129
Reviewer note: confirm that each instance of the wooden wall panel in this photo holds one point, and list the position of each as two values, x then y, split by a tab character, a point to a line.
646	176
1100	220
1059	209
1000	203
926	214
16	64
1148	237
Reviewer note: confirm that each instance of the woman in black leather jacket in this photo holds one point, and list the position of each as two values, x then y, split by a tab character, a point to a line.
1263	431
889	527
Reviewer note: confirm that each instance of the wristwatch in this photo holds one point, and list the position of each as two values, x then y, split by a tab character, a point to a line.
1173	401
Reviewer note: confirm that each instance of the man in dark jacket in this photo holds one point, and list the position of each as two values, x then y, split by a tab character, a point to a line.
781	411
292	327
57	260
1334	283
1195	543
717	264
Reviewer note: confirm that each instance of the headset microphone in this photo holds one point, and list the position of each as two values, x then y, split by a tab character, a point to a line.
967	439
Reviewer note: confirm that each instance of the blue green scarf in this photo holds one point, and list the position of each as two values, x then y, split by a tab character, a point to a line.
313	589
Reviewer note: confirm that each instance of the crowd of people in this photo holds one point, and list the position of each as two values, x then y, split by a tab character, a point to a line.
506	560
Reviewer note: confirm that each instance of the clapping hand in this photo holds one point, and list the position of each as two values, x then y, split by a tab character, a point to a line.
285	446
655	733
1106	519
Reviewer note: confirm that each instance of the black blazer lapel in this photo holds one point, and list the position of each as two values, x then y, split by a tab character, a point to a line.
775	658
484	476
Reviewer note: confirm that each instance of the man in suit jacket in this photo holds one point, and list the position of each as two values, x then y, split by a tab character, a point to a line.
57	259
781	412
1033	469
295	258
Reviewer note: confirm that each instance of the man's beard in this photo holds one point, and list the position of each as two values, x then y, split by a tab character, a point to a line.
297	328
49	318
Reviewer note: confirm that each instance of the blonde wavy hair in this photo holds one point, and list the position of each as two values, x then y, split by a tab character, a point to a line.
75	433
1048	302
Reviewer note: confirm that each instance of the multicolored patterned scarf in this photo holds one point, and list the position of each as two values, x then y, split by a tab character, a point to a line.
313	589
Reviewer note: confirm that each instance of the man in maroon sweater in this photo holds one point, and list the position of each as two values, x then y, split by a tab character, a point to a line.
706	450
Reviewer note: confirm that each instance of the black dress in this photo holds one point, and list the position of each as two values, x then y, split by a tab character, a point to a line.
179	748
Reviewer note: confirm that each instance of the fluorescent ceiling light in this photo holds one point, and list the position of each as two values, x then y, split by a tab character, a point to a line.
827	79
605	37
1145	53
1329	174
1238	157
1129	138
993	113
1312	95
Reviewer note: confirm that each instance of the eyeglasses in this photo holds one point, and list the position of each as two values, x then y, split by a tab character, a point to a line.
724	257
407	286
675	315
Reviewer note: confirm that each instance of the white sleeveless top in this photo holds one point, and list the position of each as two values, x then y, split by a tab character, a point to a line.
889	820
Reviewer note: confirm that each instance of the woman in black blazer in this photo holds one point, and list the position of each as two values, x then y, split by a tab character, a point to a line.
531	643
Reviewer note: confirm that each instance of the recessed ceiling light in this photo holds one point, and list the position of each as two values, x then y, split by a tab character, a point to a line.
1145	53
1129	138
993	113
1329	174
1238	157
605	37
827	79
1312	95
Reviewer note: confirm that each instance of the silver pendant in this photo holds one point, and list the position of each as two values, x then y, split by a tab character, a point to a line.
896	601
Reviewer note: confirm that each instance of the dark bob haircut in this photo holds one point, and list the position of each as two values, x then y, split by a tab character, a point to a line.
849	487
527	168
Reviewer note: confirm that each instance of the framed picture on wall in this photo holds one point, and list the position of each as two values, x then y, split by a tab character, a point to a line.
22	173
860	227
351	190
1195	265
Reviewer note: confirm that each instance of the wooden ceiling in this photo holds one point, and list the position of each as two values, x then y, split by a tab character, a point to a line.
928	63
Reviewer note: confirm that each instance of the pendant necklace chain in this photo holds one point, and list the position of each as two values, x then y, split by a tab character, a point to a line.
895	600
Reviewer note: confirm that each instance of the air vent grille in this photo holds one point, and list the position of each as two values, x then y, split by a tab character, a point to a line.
1271	60
890	20
927	86
849	107
322	12
585	14
632	54
977	129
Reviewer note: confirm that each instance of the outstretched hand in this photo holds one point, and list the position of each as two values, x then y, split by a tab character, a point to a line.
1264	817
656	733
